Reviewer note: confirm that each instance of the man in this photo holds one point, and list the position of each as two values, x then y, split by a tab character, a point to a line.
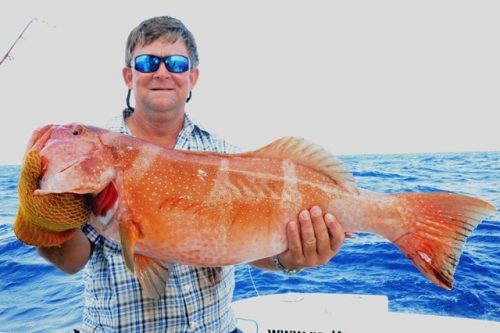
161	71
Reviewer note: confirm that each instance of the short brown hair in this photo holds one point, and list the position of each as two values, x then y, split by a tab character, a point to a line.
161	27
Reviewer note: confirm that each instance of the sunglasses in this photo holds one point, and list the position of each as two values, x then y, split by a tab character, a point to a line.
148	63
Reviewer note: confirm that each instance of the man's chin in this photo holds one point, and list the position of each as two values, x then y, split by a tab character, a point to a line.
163	106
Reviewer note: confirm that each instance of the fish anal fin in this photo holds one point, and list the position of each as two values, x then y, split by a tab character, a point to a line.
309	154
152	274
31	234
439	225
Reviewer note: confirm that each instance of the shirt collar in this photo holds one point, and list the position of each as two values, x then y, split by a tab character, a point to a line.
188	128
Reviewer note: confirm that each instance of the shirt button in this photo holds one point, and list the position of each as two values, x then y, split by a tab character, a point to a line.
187	288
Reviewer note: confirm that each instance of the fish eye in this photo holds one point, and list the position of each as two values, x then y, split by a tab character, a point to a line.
77	130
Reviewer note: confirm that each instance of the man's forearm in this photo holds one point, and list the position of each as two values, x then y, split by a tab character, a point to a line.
71	256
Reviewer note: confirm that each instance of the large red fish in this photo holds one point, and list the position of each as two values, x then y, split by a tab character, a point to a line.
212	209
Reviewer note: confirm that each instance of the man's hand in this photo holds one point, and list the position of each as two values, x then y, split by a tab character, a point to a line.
312	240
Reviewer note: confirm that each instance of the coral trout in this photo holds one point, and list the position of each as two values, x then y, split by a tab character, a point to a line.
211	209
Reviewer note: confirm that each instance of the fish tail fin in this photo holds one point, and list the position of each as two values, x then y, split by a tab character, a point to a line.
436	227
31	234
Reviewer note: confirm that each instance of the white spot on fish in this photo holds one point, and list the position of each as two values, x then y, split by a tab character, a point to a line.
202	174
425	256
143	162
290	197
222	190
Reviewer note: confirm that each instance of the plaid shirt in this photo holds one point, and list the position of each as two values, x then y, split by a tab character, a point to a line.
196	299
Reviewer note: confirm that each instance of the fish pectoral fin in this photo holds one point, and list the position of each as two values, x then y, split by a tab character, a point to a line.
129	234
309	154
152	274
31	234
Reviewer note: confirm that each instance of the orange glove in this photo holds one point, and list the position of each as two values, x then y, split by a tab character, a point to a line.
46	220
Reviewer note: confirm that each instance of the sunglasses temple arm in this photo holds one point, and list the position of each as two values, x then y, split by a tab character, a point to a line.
128	100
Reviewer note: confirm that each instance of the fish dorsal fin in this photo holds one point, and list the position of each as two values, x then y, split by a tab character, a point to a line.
309	154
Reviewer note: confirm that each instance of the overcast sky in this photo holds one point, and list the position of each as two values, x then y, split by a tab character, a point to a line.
353	76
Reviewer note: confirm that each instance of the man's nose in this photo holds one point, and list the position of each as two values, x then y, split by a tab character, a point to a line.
162	71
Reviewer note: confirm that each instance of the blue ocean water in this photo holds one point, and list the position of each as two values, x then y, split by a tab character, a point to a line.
35	297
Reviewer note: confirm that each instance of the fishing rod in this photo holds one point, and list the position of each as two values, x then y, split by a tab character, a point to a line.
7	55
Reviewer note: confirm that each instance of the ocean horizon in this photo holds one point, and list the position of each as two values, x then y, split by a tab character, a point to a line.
36	297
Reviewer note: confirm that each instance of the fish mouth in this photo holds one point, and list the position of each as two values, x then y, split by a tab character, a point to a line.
58	183
69	165
39	138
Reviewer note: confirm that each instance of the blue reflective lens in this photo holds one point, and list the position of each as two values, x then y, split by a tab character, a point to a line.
147	63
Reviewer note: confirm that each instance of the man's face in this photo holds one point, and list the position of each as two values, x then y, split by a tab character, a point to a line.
160	91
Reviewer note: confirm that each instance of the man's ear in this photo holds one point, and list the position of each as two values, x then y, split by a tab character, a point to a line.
193	77
127	76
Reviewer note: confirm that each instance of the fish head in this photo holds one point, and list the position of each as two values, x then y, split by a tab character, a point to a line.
74	159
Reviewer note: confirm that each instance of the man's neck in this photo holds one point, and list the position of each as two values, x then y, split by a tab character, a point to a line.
156	127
